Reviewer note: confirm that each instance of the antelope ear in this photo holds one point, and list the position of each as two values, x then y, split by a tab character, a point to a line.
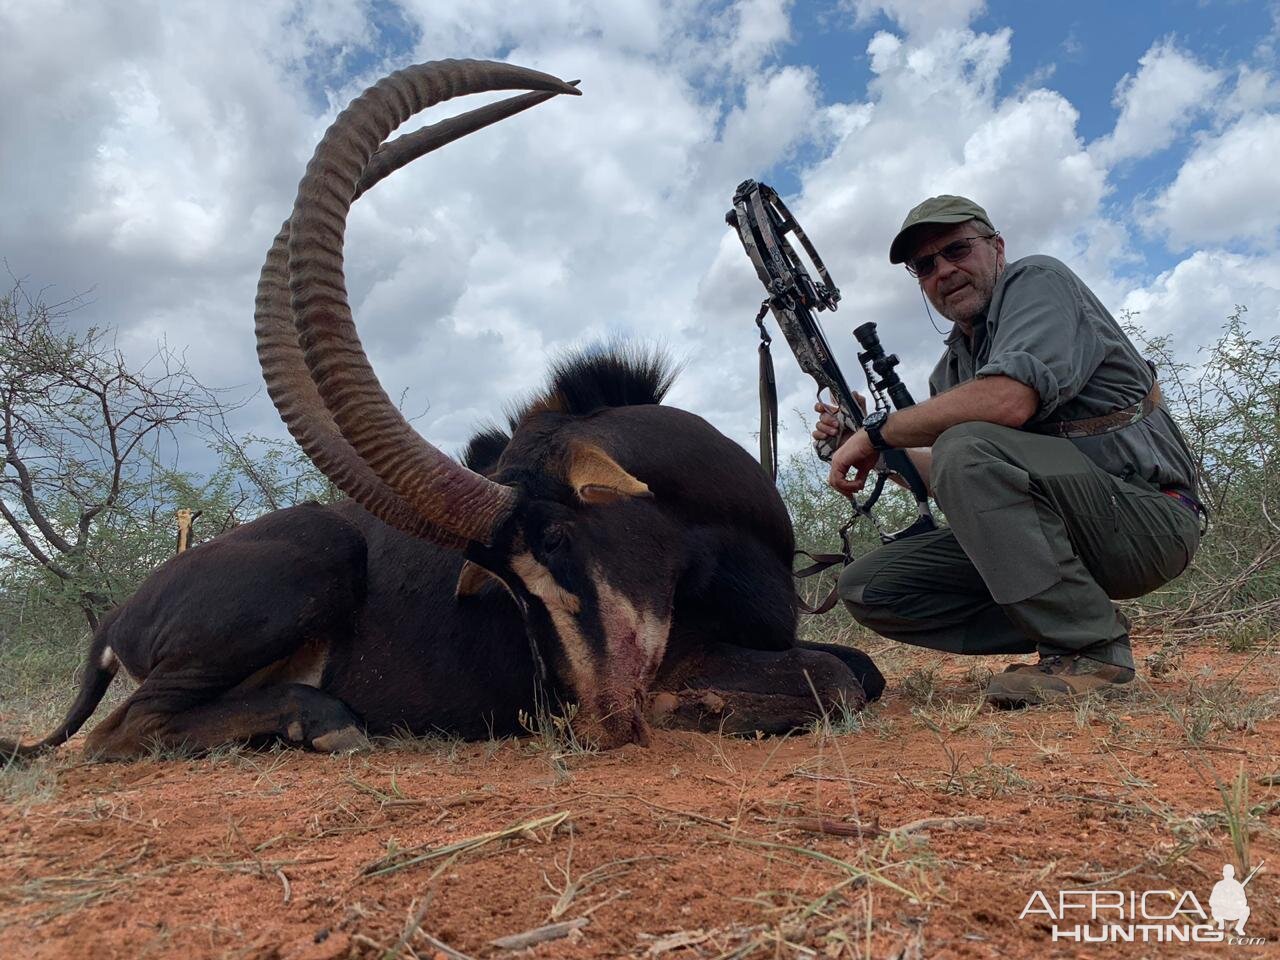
597	478
472	579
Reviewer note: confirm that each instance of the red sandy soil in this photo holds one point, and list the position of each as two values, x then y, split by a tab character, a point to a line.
697	846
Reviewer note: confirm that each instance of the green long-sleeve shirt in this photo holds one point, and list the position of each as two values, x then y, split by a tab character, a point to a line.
1046	329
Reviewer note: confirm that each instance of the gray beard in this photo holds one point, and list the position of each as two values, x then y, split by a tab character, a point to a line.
966	322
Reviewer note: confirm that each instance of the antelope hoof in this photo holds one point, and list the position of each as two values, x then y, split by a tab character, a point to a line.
345	740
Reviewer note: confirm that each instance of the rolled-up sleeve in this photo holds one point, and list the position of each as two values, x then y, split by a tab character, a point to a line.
1042	336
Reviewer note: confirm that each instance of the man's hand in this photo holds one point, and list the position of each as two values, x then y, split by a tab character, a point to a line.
858	454
828	428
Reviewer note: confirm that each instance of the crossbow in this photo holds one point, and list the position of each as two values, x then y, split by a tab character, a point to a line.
763	221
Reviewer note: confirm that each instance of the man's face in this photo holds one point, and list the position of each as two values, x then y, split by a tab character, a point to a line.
962	291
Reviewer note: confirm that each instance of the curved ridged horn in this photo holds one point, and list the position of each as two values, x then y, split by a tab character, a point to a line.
289	382
394	154
294	393
440	490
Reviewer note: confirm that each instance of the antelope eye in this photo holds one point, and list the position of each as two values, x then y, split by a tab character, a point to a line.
554	538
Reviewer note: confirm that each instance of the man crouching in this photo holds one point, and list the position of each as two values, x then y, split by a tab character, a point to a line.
1066	483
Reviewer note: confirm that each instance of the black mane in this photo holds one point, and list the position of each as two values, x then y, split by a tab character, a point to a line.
484	449
607	375
581	382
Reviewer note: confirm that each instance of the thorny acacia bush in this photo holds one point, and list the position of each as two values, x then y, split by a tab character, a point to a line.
88	489
1228	407
80	432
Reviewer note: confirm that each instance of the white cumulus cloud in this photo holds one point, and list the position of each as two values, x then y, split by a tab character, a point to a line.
933	123
1169	90
1193	300
921	17
1227	189
161	145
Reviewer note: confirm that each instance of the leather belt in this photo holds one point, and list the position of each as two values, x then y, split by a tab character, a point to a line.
1107	423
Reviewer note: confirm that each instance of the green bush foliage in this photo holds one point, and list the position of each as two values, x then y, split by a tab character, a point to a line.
1228	406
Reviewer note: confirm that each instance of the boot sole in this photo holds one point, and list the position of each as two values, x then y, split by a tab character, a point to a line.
1044	697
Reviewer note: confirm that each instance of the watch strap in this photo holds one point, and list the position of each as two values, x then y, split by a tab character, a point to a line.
872	425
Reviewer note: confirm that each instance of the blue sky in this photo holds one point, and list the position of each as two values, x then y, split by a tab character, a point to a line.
1091	45
161	143
1082	50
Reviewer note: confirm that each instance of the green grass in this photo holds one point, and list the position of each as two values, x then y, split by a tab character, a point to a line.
920	685
39	677
839	720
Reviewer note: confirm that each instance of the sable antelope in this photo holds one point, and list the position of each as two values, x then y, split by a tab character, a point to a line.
609	551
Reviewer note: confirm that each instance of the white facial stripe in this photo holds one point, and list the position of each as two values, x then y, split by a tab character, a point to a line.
542	584
635	641
562	606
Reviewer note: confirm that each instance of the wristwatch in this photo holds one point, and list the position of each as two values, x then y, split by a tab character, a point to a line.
873	424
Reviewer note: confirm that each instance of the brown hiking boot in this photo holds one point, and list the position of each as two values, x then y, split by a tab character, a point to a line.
1057	680
1015	667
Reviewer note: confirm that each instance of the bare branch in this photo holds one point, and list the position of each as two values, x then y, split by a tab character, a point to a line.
81	436
29	542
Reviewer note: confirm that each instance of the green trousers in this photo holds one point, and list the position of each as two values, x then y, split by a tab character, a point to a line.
1041	540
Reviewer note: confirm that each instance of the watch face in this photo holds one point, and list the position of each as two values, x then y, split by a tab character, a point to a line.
873	425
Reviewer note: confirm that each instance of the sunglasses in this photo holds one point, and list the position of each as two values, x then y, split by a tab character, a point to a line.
953	252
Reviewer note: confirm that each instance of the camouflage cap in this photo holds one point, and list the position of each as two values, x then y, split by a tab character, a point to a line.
946	209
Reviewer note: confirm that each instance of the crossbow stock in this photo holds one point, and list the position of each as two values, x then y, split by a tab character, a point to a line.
763	221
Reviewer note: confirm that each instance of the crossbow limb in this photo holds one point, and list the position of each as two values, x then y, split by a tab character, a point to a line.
763	222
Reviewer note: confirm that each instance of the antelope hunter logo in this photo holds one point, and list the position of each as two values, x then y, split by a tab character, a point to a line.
1149	916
